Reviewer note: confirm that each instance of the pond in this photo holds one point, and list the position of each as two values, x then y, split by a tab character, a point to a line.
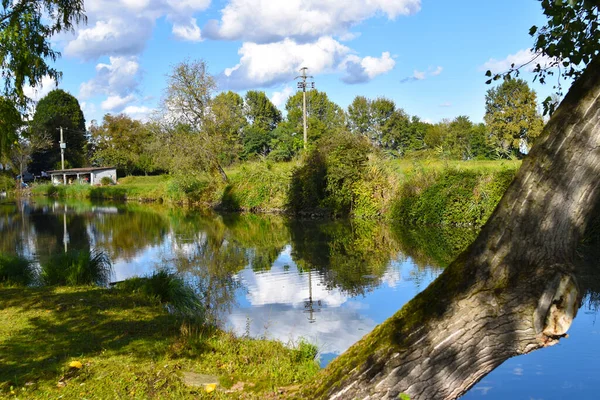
329	283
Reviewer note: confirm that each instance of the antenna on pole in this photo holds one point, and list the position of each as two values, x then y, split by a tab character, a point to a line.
303	85
63	146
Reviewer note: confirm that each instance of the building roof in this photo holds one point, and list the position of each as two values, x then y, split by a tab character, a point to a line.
79	170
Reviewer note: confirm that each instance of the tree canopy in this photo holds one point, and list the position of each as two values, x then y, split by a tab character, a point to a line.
59	109
512	117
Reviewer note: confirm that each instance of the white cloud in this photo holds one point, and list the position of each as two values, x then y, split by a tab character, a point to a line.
116	103
422	75
266	21
520	58
279	98
437	71
189	31
120	77
363	70
446	104
35	93
263	65
139	112
123	27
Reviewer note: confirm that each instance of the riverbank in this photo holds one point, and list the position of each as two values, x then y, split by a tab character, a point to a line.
414	192
89	342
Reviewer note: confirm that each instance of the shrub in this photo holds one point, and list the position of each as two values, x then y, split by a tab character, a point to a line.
451	197
77	268
15	270
167	288
106	181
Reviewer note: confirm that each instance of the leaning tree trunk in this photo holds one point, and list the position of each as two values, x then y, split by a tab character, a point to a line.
511	292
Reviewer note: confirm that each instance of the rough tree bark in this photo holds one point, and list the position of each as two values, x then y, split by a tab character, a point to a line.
511	292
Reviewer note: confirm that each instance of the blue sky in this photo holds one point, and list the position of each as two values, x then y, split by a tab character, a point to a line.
429	56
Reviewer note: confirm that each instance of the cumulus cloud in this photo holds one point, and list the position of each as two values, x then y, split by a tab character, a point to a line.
273	21
142	113
520	58
363	70
263	65
35	93
120	77
279	98
122	27
116	103
422	75
189	31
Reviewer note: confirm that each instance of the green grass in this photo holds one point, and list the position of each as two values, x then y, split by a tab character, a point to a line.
130	347
168	288
76	268
266	186
16	271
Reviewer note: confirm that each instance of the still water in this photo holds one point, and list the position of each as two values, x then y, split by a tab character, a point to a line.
329	283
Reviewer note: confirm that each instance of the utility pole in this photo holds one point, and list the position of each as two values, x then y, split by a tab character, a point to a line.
63	146
303	85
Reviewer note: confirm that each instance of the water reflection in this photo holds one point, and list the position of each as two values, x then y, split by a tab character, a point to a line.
267	276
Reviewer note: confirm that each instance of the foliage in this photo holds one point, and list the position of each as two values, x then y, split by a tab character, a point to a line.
511	116
227	109
16	271
10	122
309	179
55	110
121	142
26	28
76	268
451	197
106	181
323	115
187	103
169	288
568	42
260	111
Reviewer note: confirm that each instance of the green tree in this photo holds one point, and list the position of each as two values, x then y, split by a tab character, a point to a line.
10	122
227	109
323	115
261	112
187	102
568	43
359	115
59	109
121	142
512	117
26	28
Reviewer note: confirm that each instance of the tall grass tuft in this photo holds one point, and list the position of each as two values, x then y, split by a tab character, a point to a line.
77	268
167	288
16	271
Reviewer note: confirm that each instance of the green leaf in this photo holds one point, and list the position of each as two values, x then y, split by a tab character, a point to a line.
533	30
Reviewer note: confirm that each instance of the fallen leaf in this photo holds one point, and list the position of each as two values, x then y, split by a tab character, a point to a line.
75	364
210	387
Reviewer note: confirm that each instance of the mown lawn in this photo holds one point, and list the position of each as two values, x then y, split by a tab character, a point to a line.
130	347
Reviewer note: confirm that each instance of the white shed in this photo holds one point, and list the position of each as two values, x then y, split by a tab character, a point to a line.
92	175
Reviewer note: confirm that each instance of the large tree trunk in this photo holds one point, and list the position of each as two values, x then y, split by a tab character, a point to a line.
511	292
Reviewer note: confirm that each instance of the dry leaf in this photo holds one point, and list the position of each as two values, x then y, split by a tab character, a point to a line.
210	387
75	364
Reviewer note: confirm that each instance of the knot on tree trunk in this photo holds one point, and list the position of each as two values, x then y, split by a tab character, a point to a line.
557	307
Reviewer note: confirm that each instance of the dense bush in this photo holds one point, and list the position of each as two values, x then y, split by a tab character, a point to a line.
451	197
76	268
16	271
167	288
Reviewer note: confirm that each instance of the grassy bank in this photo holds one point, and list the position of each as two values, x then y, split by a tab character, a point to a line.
414	192
130	347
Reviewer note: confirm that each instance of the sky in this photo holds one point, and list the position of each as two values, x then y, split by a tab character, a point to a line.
429	56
